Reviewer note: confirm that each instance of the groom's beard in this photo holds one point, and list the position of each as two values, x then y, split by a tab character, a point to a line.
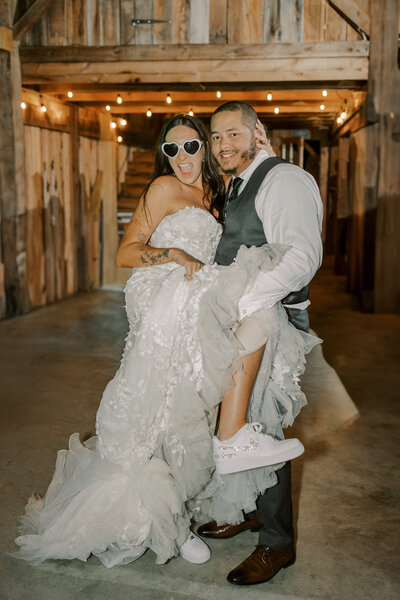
248	154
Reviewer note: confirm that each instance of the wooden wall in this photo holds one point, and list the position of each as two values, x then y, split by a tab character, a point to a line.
70	241
108	22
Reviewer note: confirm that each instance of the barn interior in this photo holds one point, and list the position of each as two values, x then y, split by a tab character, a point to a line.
86	87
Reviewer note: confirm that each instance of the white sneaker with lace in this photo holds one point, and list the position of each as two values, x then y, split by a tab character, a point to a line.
249	448
194	550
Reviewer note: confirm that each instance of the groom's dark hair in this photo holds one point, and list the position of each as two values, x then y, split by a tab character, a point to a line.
248	112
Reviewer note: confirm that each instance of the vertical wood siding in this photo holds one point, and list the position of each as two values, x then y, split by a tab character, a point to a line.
109	22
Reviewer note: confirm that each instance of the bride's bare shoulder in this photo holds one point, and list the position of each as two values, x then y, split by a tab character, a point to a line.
166	183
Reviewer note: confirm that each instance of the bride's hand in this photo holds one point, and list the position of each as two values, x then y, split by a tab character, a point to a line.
263	143
185	260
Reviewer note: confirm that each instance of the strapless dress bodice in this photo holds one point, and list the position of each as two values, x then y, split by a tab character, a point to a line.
191	229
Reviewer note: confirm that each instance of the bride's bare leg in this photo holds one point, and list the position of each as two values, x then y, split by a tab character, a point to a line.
236	399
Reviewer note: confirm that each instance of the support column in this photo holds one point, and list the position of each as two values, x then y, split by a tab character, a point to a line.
12	186
384	85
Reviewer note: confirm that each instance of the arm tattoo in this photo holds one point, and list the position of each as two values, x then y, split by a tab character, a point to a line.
148	258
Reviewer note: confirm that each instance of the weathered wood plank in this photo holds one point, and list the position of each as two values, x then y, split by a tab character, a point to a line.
180	21
57	24
245	21
76	24
162	32
110	22
218	22
199	21
94	25
143	33
187	52
335	27
314	20
127	33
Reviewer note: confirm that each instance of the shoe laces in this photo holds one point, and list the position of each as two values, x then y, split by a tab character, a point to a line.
255	427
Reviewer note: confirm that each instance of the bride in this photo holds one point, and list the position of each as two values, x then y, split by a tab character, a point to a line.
150	468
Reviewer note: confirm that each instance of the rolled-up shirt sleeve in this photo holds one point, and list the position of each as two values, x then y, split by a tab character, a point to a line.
290	208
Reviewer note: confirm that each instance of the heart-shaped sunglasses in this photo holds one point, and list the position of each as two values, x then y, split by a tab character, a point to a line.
191	147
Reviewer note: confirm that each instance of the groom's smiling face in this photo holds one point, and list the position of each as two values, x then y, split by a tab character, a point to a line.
233	142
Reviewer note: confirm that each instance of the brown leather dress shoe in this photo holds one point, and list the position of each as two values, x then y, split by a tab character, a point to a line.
221	532
261	566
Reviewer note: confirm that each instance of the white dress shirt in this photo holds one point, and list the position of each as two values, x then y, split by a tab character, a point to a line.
290	208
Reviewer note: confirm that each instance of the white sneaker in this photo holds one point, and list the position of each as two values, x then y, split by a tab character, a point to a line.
195	550
249	449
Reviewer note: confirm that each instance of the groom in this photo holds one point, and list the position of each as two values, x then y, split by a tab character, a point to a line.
268	201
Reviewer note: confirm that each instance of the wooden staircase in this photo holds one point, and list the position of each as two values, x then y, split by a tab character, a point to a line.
137	176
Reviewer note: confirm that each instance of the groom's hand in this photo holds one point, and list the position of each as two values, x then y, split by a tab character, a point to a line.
263	143
185	260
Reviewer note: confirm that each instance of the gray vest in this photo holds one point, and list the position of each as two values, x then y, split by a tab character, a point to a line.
242	226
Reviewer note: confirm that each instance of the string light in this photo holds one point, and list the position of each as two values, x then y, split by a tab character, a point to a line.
322	107
324	93
70	94
269	96
168	99
339	120
191	113
23	105
342	115
119	138
148	113
276	110
123	122
113	125
108	107
43	108
219	94
119	99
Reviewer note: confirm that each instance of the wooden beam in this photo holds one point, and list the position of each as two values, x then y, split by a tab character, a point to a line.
186	52
356	11
6	39
30	17
198	63
12	187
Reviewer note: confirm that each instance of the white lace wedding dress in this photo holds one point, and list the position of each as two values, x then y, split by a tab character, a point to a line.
149	469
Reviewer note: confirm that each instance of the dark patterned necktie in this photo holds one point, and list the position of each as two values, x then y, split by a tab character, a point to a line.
233	189
232	192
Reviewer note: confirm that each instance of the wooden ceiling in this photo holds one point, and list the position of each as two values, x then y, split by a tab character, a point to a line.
192	49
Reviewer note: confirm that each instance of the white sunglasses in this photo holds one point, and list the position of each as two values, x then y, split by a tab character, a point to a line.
191	147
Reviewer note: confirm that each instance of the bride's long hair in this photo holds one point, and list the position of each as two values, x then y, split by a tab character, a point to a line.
213	185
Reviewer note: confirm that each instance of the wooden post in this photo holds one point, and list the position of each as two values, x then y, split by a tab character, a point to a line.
108	165
12	185
384	85
79	270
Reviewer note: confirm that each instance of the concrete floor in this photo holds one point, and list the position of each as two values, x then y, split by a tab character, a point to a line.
54	364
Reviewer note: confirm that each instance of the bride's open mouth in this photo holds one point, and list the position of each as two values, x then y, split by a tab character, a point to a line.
185	168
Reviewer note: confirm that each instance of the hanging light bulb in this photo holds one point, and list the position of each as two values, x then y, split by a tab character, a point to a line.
342	115
113	125
219	94
322	107
168	99
70	94
119	138
324	93
191	113
23	105
276	110
269	96
43	108
148	113
123	122
119	99
339	120
108	107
